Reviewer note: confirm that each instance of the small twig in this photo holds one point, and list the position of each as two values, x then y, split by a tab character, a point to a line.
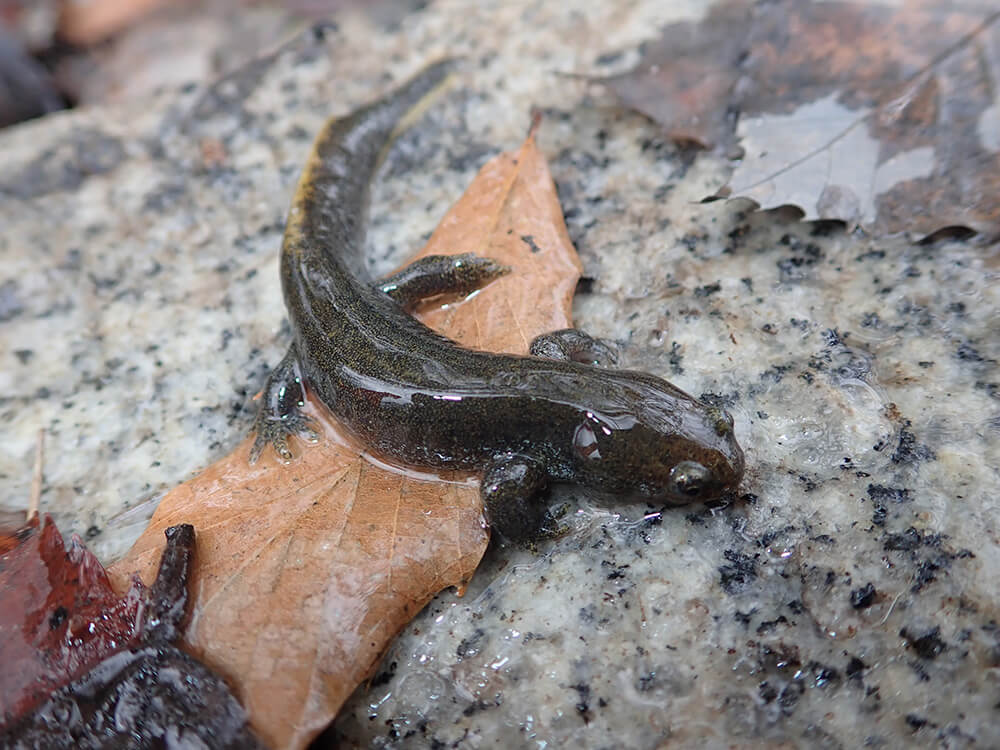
36	476
536	121
891	607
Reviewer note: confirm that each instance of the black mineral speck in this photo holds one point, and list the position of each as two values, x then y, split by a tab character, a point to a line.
871	255
84	152
823	675
790	695
767	691
738	573
906	541
862	598
881	496
583	704
690	241
775	373
768	625
927	645
474	708
385	676
855	668
968	353
908	450
881	493
470	646
915	722
608	58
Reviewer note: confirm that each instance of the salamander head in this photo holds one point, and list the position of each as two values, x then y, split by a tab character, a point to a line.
653	439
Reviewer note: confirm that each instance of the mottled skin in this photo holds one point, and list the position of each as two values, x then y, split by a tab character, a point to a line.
414	395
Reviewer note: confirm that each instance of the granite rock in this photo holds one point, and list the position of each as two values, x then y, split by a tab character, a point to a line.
847	599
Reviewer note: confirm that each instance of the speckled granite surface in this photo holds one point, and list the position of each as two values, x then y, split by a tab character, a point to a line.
849	600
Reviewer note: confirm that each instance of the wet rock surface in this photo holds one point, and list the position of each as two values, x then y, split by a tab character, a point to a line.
846	599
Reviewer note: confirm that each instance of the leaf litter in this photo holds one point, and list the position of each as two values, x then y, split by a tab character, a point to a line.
84	668
58	615
885	116
306	571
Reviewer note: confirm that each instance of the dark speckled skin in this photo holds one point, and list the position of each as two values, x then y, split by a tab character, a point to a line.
416	396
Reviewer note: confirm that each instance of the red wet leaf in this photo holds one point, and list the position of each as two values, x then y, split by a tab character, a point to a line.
58	616
144	693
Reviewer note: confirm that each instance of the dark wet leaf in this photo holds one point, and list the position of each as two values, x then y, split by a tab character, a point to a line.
150	697
83	668
685	80
887	117
58	616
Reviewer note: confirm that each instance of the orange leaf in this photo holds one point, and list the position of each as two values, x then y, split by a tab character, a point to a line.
305	572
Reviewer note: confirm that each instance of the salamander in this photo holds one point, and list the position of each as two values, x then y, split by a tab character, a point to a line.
560	414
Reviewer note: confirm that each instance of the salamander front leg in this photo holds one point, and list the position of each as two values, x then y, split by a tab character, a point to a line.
571	344
441	274
510	492
280	412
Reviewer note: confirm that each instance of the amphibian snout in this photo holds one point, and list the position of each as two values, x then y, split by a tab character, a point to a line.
645	436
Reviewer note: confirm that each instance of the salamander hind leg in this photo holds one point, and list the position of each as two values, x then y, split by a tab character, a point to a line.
571	344
280	412
510	490
433	275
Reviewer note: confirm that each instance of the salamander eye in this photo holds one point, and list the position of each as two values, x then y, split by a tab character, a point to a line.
689	479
